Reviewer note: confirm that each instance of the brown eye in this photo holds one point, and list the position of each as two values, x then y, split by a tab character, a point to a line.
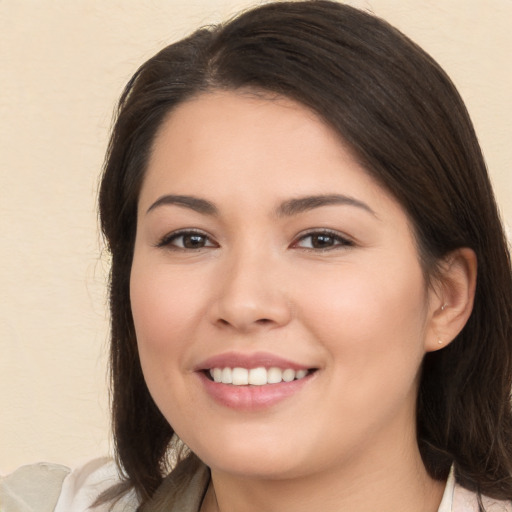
186	240
193	241
320	240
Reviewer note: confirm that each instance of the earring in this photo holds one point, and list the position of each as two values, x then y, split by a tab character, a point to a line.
443	307
440	342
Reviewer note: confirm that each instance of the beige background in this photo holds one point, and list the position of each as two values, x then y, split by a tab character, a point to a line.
62	66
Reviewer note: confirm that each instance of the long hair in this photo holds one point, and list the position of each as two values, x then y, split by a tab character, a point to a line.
403	118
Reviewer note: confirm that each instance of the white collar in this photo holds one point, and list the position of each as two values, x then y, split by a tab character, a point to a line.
458	499
447	501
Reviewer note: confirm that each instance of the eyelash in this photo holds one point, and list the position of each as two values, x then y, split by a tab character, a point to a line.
167	240
338	240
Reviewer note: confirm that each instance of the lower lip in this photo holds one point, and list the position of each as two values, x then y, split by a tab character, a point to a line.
252	398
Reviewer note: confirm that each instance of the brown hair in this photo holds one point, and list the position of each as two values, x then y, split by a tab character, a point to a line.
407	124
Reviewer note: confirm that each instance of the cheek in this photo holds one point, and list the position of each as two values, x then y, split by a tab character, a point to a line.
367	311
164	305
164	318
372	328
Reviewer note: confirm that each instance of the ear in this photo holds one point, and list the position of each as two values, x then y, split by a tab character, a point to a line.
451	298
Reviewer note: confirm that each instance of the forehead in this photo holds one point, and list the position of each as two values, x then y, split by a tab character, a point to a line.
264	117
245	136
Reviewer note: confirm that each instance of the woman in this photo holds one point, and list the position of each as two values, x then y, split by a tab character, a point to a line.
310	288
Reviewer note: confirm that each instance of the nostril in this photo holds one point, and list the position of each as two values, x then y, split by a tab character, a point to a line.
261	322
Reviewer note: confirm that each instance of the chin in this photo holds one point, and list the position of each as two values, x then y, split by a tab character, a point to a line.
252	460
261	469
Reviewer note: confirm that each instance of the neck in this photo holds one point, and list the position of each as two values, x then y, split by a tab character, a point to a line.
393	485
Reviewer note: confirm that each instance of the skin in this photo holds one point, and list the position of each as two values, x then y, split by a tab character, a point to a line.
355	308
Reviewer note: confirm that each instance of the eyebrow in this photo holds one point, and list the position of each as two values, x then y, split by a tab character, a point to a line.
304	204
288	208
194	203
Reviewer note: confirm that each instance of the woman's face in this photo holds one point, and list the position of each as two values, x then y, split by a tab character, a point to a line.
264	253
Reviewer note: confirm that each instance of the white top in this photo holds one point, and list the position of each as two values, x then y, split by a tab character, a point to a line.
52	488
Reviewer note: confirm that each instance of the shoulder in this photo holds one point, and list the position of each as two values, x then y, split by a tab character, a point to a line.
459	499
467	501
82	486
45	487
183	489
33	487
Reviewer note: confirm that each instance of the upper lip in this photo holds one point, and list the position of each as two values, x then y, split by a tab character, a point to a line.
254	360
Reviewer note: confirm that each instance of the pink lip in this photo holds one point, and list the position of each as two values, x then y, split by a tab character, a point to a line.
255	360
250	398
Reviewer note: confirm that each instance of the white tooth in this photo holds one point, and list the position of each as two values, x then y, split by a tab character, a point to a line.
300	374
240	376
217	374
274	375
258	376
288	375
227	376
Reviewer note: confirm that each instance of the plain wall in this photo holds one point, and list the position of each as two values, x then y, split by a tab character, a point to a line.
62	66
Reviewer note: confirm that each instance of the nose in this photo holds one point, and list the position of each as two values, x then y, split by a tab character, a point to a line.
251	295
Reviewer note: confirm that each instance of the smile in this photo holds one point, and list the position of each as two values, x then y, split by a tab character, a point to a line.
260	376
253	381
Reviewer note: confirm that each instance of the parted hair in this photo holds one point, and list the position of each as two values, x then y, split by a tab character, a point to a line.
407	125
